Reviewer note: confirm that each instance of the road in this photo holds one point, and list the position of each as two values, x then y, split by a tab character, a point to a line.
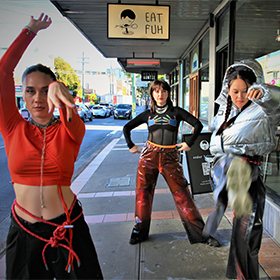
99	132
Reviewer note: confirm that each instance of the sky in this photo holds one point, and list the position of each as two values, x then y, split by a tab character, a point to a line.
60	39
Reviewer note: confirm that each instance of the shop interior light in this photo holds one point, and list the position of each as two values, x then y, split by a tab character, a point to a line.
136	62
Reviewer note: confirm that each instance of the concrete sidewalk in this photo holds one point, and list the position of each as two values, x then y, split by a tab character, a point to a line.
106	190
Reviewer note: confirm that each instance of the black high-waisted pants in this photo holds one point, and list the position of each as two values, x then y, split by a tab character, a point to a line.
24	252
247	237
163	159
246	231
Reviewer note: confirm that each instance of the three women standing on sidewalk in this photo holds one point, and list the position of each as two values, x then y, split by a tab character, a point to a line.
48	236
161	154
244	130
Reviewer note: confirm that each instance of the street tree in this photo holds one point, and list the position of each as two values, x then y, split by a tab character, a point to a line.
66	74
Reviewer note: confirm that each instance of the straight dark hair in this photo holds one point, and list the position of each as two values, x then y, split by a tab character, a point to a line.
38	68
165	86
249	78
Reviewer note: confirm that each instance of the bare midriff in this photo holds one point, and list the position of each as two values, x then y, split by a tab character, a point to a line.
29	198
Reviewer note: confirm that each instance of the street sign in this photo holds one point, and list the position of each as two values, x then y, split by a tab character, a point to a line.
149	75
138	21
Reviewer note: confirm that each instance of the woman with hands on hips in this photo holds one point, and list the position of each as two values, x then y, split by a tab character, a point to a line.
160	154
48	237
244	130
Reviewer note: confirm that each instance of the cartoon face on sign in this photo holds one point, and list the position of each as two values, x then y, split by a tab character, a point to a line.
127	18
204	145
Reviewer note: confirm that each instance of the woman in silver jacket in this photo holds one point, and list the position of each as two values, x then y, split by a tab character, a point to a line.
244	130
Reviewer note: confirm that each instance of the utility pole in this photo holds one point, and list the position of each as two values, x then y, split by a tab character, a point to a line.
83	74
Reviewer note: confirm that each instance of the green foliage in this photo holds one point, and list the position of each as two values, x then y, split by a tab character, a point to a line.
65	73
91	98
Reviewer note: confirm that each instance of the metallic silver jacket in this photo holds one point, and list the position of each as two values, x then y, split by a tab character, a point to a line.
253	132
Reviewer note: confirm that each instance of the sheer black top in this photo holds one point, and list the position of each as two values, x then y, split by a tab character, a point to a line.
163	128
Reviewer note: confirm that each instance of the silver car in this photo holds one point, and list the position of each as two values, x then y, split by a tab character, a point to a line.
100	111
84	112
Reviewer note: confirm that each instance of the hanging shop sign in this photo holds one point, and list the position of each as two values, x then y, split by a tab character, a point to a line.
138	21
198	166
149	75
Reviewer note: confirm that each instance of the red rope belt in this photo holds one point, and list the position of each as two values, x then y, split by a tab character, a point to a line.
58	234
253	162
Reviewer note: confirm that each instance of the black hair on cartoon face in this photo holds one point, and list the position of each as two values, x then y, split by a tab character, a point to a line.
128	13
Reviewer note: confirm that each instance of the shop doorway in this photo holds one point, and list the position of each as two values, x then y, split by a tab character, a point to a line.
194	95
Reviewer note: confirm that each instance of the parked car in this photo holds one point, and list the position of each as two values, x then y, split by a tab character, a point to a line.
24	113
100	111
84	112
123	111
109	107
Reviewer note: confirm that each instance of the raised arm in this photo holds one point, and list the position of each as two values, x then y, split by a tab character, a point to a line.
9	116
269	100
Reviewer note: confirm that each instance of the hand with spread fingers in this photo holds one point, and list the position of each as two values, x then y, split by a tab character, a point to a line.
43	22
59	95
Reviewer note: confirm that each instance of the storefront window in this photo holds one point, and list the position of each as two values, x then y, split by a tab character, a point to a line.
177	75
204	94
194	60
187	65
187	94
185	128
271	70
223	27
174	94
172	78
204	50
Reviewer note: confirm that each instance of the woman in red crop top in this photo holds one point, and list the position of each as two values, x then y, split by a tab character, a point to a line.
160	154
48	237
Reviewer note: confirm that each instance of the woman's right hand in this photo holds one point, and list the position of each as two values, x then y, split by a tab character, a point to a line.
58	95
42	22
135	149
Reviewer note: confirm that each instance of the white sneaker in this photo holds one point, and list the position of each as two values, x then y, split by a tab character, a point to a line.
238	183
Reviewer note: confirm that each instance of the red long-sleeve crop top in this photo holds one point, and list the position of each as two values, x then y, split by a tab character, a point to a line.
24	141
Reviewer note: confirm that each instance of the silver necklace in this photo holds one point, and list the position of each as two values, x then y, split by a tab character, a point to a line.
161	110
52	121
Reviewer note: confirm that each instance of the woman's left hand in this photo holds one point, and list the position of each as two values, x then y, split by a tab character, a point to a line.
254	94
43	22
184	147
59	94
